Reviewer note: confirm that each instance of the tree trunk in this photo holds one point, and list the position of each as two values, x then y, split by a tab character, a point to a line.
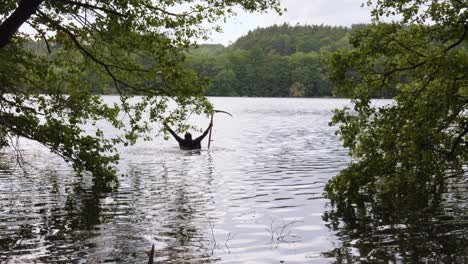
25	9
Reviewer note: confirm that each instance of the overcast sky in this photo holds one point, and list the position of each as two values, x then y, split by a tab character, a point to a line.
327	12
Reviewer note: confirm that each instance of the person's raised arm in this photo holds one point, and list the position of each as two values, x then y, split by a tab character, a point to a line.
179	139
200	138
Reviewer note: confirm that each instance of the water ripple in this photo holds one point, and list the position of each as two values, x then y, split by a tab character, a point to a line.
255	197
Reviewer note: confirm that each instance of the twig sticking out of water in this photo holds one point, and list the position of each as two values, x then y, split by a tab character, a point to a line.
226	242
213	243
151	255
281	234
20	162
213	238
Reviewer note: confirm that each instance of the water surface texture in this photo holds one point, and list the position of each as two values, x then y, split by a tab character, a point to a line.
255	197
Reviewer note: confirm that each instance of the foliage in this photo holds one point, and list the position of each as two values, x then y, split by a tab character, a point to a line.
419	141
135	45
286	40
424	227
254	70
260	64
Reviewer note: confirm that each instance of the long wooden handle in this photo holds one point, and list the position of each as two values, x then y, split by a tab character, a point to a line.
211	129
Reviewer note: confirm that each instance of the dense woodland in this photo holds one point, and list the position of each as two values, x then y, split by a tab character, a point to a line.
277	61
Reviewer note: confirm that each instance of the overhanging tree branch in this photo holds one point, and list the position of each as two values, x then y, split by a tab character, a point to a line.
404	68
153	8
94	7
83	49
408	48
458	141
25	9
460	40
43	36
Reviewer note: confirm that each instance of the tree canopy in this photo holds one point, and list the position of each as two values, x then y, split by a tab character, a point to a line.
136	45
268	61
419	142
286	39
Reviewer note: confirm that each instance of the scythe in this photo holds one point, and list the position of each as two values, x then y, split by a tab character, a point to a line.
211	129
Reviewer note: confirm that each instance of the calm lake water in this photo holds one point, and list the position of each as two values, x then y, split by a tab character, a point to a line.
255	197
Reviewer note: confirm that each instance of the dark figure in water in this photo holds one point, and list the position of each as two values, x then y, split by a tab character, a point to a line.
187	143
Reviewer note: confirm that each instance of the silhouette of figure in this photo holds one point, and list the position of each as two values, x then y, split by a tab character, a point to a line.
187	143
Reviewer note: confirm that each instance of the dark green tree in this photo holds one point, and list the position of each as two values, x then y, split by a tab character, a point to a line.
286	39
419	141
225	82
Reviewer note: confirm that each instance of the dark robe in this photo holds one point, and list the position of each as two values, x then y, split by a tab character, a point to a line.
189	143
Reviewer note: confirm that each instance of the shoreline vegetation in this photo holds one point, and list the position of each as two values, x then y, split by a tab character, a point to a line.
277	61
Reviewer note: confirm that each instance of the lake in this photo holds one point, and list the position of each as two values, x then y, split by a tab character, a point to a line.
255	197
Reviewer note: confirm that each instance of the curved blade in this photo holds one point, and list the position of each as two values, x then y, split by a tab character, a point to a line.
220	111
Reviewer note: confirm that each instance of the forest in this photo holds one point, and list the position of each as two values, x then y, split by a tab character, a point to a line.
277	61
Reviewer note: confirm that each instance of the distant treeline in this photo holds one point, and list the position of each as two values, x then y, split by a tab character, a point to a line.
277	61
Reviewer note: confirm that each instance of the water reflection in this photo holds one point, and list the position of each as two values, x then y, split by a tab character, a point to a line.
419	226
44	231
254	197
